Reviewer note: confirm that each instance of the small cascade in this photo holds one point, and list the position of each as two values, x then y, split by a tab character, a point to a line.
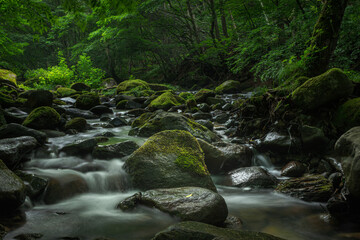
260	159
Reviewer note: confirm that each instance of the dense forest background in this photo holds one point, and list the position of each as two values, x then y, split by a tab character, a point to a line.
188	43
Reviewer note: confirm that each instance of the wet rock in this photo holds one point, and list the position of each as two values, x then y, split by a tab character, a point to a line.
215	101
214	158
201	115
43	118
221	118
252	177
101	109
64	186
12	189
204	107
80	87
235	156
229	86
233	222
79	124
186	203
313	139
169	159
323	89
80	148
312	188
206	123
137	112
196	231
227	107
39	98
105	134
29	236
278	143
118	150
202	95
14	115
348	150
293	169
87	101
14	130
74	112
52	133
12	150
35	185
165	101
150	123
118	122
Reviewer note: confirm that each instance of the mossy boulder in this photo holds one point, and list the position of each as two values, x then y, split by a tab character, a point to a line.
201	231
158	87
186	203
6	100
348	115
128	85
323	89
186	95
39	98
12	189
165	101
150	123
13	130
8	77
229	86
78	123
80	87
202	95
87	101
169	159
43	118
65	92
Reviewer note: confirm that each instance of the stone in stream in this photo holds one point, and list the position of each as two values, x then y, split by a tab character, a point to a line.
206	123
118	122
74	112
79	124
80	87
312	188
313	139
150	123
43	118
87	101
12	189
13	130
169	159
202	95
35	185
229	86
13	150
79	148
348	151
201	231
165	101
112	151
216	101
293	169
186	203
204	107
250	177
221	118
278	143
101	109
202	116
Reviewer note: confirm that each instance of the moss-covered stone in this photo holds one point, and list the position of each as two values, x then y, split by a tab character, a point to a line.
43	118
158	87
59	102
121	104
229	86
169	159
65	92
127	85
87	101
6	100
80	87
202	95
7	76
348	115
165	101
323	89
186	95
78	123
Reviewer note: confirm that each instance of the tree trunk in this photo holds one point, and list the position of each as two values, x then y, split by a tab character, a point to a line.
223	19
214	23
324	37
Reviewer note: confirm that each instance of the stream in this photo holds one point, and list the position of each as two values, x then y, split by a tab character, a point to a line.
93	214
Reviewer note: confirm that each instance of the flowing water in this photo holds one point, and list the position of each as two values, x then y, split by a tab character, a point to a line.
93	214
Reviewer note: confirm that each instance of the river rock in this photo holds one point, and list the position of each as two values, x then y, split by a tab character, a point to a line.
14	115
204	107
80	87
169	159
201	115
137	112
202	95
235	156
43	118
206	123
74	112
101	109
293	169
87	101
35	185
348	150
12	150
186	203
323	89
252	177
80	148
215	101
14	130
313	188
150	123
313	139
39	98
78	123
201	231
229	86
118	122
12	189
221	118
118	150
165	101
278	143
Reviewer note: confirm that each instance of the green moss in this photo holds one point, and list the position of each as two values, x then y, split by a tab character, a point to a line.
188	161
8	75
158	87
165	101
65	92
77	123
121	104
187	95
203	94
42	118
131	84
140	121
230	86
59	102
348	114
87	101
6	100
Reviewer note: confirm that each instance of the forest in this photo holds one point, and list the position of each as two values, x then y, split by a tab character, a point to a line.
179	119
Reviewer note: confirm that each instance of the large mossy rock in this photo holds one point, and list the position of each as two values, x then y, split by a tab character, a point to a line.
202	95
323	89
229	86
39	98
312	188
7	76
78	124
169	159
165	101
128	85
187	203
12	150
150	123
14	130
87	101
118	150
348	115
348	149
201	231
43	118
65	92
12	189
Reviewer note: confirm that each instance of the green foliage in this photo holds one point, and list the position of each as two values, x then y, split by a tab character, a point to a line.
86	73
